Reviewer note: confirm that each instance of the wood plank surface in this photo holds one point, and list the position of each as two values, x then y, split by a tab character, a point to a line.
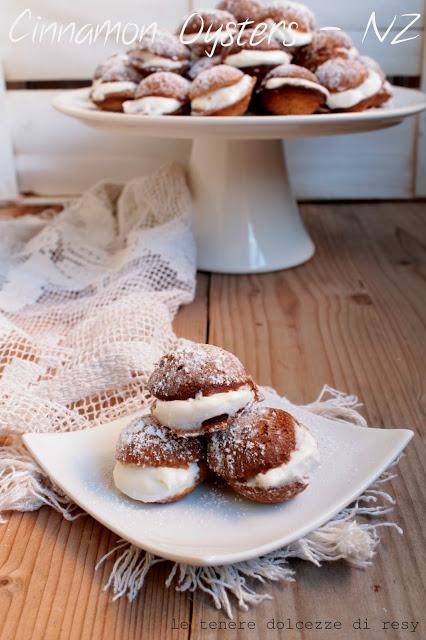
353	318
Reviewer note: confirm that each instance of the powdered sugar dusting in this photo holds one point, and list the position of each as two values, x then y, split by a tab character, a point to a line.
242	9
163	44
145	442
291	71
340	74
215	78
120	70
259	439
194	369
290	12
164	83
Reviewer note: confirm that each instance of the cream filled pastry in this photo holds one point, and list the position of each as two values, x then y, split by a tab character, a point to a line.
153	466
116	84
351	84
161	51
291	23
242	9
266	455
291	90
256	55
221	91
325	45
207	32
199	388
162	93
385	92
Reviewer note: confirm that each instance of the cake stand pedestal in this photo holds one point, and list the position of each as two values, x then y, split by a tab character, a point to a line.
250	219
246	219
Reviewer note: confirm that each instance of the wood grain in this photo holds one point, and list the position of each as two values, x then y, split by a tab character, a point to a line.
353	318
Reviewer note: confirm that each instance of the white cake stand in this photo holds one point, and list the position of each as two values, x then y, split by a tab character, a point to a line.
246	218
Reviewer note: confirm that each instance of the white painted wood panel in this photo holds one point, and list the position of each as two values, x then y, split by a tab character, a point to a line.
56	155
8	186
370	165
27	61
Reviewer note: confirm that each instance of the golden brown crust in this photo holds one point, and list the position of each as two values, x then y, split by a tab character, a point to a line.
145	442
114	103
237	109
196	369
269	496
257	440
291	101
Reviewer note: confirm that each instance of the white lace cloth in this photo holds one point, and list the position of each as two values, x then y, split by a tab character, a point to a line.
87	300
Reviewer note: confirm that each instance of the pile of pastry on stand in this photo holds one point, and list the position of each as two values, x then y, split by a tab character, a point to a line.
244	55
208	419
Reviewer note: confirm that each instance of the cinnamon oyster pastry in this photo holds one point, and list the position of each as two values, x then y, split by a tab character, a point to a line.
266	455
325	45
161	51
351	84
385	92
198	388
207	32
114	84
152	465
162	93
256	56
221	91
290	22
291	90
242	9
114	60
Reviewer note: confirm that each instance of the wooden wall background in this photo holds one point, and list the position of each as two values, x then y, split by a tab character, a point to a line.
44	153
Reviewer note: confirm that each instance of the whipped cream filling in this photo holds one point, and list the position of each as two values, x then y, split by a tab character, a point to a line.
101	90
253	58
276	83
189	414
352	97
149	59
290	37
303	460
225	97
152	106
154	484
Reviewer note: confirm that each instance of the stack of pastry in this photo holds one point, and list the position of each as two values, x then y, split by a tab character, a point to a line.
208	418
270	58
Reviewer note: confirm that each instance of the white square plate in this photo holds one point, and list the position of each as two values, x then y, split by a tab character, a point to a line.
211	526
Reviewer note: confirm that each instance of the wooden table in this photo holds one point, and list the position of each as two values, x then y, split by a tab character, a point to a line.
352	318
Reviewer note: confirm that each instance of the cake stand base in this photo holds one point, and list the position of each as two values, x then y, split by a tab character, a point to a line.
246	219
